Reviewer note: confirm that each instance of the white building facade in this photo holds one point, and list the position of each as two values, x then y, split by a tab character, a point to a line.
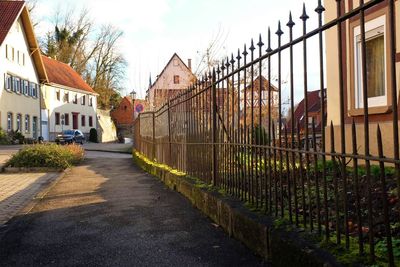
68	102
21	72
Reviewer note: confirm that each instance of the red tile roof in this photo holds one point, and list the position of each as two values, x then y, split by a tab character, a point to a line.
9	12
62	74
314	105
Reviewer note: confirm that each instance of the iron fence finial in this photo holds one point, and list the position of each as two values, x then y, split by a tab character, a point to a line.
252	45
279	32
269	50
320	7
304	17
291	23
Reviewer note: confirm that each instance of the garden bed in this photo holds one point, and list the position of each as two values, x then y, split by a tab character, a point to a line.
45	156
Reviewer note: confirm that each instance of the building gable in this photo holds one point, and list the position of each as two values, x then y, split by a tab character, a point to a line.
167	78
17	39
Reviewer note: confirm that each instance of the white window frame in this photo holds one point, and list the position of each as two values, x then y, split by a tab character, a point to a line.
27	123
373	28
10	125
19	122
8	82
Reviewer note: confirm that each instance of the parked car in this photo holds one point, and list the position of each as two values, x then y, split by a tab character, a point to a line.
70	136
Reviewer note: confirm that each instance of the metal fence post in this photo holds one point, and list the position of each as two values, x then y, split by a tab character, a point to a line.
214	130
154	135
169	135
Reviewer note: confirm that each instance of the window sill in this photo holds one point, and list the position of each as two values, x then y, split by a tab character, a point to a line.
371	111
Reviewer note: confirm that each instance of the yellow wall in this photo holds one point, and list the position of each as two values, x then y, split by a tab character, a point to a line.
333	90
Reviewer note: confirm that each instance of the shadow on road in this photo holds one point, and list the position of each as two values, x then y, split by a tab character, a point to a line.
107	212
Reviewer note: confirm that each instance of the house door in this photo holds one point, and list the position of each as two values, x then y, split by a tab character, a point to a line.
75	120
45	125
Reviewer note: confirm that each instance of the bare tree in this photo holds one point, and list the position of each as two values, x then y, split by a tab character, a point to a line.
90	50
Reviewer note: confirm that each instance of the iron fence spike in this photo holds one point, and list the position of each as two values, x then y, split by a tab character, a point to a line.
291	23
304	17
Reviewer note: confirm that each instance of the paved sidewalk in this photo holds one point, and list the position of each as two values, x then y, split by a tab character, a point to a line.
17	190
107	212
108	147
6	152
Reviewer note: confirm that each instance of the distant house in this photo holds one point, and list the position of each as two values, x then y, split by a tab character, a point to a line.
68	101
174	78
21	69
314	114
125	113
253	92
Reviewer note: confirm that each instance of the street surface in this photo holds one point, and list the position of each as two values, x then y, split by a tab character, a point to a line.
107	212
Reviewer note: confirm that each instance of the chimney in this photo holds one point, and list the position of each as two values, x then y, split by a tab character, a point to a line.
190	64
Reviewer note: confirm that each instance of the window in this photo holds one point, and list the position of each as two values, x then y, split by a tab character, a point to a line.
9	121
35	90
57	118
12	54
66	98
23	59
8	82
34	127
83	100
176	79
83	120
310	122
27	123
19	126
26	87
66	119
7	53
17	85
91	101
90	121
375	63
18	57
75	101
30	89
58	95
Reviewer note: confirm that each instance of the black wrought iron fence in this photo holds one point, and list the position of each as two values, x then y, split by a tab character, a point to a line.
335	178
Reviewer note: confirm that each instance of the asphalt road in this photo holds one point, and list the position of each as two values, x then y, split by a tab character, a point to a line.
107	212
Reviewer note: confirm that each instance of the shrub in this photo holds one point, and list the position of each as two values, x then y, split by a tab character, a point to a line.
93	136
4	138
47	155
16	137
260	136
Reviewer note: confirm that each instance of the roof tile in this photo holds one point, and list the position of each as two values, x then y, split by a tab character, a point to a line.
9	11
62	74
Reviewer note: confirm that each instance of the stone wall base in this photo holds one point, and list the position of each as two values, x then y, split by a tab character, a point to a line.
279	246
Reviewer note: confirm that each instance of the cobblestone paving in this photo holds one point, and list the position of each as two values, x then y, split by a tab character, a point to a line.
17	190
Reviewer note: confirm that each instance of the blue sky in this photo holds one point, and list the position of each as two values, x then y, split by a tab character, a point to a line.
155	29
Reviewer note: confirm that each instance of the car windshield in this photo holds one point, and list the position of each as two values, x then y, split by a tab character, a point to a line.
68	132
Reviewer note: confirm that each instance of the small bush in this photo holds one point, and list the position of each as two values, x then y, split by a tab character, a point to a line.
47	155
16	137
4	138
93	136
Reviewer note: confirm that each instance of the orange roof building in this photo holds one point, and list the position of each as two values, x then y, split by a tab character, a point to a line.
68	101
